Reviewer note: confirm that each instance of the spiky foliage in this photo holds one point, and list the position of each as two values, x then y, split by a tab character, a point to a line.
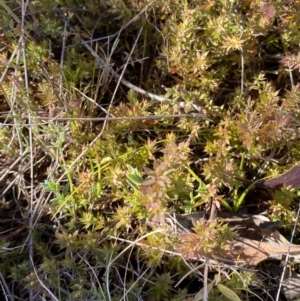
78	196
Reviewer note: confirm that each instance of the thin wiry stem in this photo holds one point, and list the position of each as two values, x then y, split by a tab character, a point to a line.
9	63
291	75
110	264
5	288
121	77
112	72
205	280
30	237
242	73
51	295
62	59
124	68
149	117
288	253
135	18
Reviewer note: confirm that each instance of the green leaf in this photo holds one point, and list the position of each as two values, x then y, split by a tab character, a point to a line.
22	103
237	204
228	293
226	204
66	189
195	177
134	177
106	160
199	295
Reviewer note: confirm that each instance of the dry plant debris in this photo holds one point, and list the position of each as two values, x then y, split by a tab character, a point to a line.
113	114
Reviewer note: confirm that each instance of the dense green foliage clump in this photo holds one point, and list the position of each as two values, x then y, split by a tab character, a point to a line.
79	197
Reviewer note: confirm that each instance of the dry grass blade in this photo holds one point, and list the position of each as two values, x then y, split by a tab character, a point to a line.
149	117
95	151
103	64
289	252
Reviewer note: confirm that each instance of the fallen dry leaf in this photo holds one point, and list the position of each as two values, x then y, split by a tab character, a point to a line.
257	238
289	178
253	252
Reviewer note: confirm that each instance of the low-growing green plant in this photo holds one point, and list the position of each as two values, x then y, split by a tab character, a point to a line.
73	185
